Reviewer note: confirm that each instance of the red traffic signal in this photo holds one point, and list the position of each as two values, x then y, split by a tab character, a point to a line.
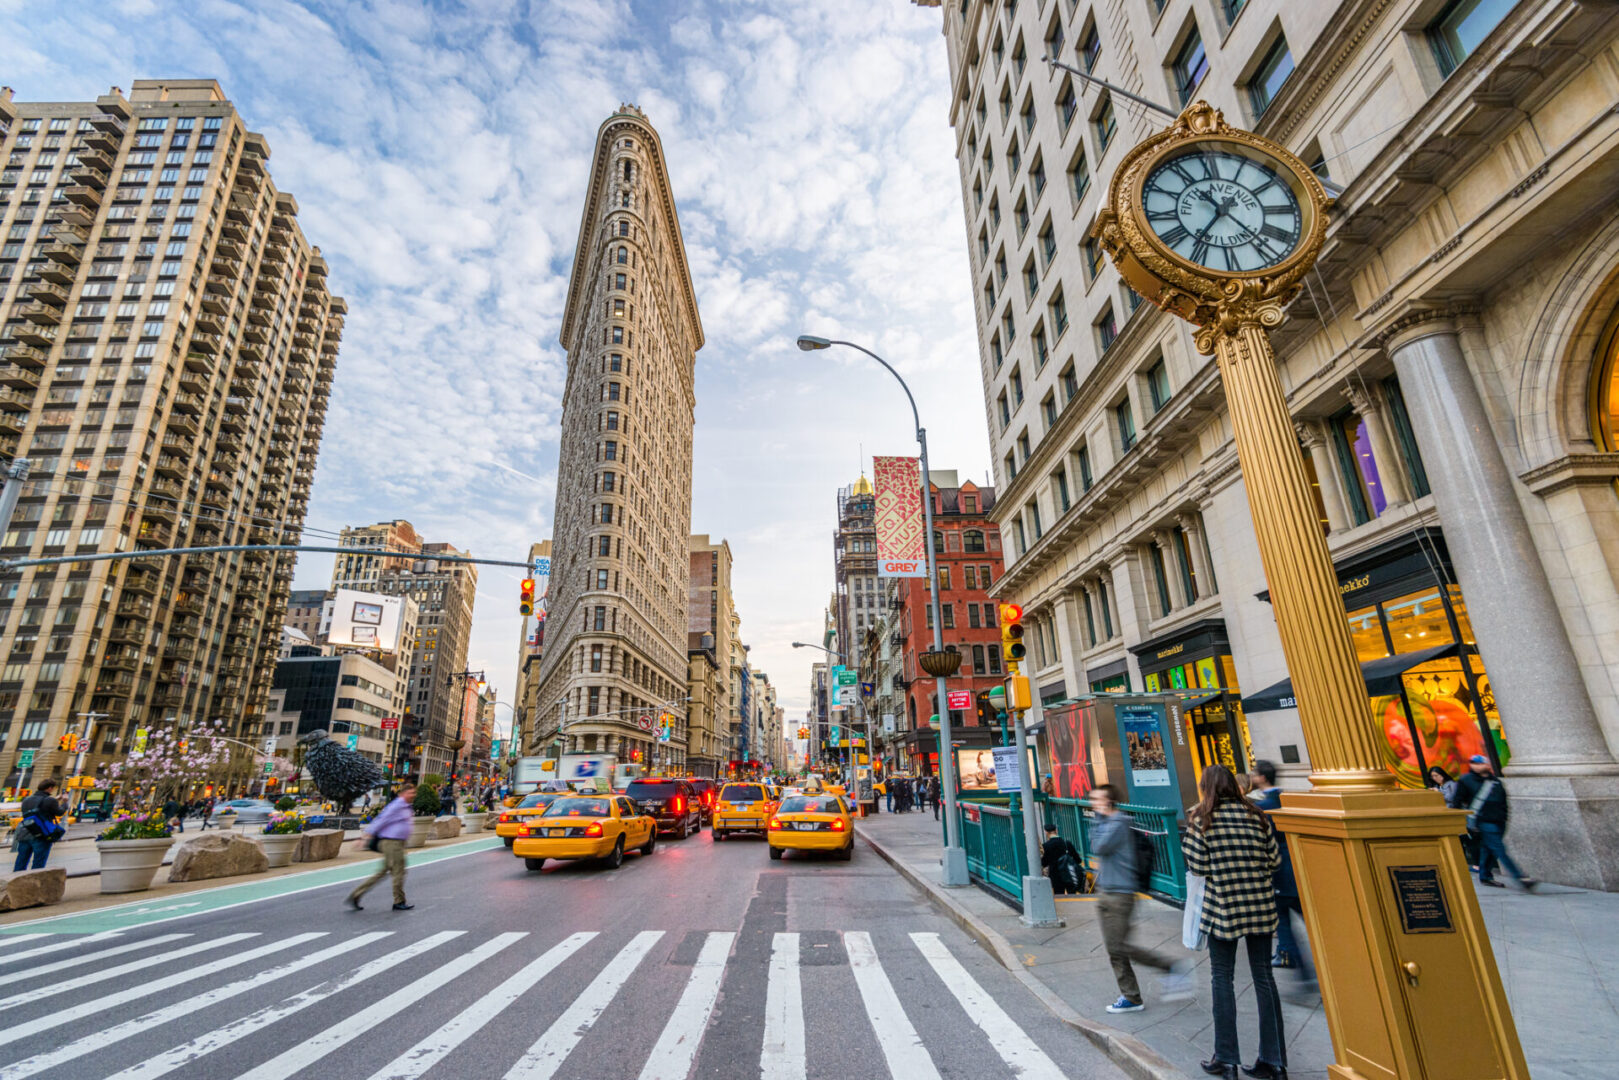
525	604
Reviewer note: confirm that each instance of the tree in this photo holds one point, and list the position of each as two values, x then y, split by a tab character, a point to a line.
174	761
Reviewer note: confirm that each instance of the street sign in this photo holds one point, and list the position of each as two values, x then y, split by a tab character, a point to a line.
959	699
847	677
390	723
269	745
835	735
354	742
269	767
25	759
644	723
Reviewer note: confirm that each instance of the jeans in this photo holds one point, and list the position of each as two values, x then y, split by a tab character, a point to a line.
890	799
1114	910
1493	849
30	849
1222	967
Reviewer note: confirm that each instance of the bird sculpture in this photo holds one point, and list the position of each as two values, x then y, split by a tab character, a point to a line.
341	774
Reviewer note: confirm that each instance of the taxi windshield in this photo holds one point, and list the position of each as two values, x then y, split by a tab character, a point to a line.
743	793
542	799
581	808
807	804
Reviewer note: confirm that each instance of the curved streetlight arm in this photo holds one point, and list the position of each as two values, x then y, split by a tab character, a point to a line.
916	418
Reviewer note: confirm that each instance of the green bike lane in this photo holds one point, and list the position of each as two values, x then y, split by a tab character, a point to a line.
159	909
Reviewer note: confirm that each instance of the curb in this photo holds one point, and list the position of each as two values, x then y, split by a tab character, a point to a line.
1130	1053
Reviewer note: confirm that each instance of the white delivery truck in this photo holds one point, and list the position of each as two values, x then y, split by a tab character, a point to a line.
597	771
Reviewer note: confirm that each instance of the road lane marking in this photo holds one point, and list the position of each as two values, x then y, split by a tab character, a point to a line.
78	1012
69	985
551	1049
70	943
782	1056
62	965
311	1050
902	1048
431	1050
676	1050
190	1051
210	1041
1027	1061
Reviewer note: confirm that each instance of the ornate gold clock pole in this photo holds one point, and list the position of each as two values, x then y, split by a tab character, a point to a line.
1219	226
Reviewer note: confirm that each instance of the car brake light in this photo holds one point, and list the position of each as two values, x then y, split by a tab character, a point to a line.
725	806
593	829
837	824
775	824
678	805
504	818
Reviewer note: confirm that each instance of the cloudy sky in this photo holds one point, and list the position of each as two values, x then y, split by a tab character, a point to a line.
439	154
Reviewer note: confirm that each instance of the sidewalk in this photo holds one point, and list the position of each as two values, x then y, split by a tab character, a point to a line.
77	853
1557	950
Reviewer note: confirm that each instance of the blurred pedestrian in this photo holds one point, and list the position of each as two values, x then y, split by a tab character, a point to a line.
1483	795
1289	954
174	812
388	831
1230	842
1114	844
39	828
1059	858
933	795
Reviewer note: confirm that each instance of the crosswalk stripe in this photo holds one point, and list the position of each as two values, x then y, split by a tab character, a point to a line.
75	961
782	1056
210	1041
18	939
313	1049
551	1049
74	1013
902	1048
676	1049
72	942
141	1025
431	1050
70	985
1019	1051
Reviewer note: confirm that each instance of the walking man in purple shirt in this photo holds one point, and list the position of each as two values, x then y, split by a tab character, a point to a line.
391	828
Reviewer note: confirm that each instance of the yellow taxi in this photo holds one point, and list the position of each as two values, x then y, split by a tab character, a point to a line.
743	807
811	823
509	825
586	827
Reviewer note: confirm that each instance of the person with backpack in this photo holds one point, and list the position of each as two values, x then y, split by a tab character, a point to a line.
1480	792
1230	842
1060	860
1121	872
39	828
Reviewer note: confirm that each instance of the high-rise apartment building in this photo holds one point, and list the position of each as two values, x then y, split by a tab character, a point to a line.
1450	366
854	561
616	644
167	346
710	619
444	594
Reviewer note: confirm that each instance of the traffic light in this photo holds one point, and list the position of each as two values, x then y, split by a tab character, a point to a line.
525	605
65	742
1012	647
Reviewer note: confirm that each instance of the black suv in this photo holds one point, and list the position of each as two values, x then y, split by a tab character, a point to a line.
673	803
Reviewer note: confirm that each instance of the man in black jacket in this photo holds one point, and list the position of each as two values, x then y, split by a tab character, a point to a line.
1480	792
32	845
1065	875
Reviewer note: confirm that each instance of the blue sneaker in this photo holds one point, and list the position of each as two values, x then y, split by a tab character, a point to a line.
1125	1005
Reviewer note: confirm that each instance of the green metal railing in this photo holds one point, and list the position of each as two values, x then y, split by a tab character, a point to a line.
992	834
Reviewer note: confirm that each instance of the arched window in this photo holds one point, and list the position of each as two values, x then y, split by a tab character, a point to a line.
1605	398
973	541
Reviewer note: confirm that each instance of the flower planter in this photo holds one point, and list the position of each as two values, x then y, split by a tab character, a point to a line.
472	822
421	830
129	865
279	847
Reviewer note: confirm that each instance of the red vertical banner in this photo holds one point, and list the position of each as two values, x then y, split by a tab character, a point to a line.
898	484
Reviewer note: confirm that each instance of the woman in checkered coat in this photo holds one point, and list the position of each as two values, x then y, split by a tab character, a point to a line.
1231	843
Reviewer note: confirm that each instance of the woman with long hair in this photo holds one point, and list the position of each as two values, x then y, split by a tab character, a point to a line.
1231	843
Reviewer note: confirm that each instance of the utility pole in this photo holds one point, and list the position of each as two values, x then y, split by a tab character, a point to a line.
16	476
87	728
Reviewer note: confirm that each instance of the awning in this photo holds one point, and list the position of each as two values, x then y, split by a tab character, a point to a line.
1382	677
1200	699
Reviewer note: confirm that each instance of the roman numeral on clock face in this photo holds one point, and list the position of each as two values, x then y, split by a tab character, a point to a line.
1275	232
1173	236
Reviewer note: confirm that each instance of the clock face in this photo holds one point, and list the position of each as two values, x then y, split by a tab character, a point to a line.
1225	210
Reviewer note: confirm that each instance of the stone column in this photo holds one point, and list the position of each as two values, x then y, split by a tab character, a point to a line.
1165	540
1202	577
1326	473
1367	398
1562	779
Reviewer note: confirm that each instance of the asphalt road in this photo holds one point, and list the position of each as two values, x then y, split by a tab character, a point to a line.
702	960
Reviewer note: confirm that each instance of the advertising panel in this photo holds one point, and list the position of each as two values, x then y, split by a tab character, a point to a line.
1144	746
366	620
1006	769
1070	731
898	484
975	770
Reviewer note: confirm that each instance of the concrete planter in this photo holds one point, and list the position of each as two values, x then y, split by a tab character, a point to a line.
472	822
279	847
130	865
422	830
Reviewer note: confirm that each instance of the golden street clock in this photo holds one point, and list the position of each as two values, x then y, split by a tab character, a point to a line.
1203	212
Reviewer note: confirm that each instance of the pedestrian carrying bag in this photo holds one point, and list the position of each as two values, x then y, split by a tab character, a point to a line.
1067	872
1193	936
1477	803
373	843
49	831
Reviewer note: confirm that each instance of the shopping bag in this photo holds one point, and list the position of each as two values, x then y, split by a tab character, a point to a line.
1193	936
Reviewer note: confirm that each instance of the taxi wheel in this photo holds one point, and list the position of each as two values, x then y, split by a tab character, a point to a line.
846	853
616	859
509	841
534	864
651	844
775	852
719	835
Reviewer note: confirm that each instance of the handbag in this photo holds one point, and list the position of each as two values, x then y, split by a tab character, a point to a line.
1193	936
373	843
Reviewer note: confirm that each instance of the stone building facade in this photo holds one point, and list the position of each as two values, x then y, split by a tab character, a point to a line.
616	634
710	622
167	348
1450	367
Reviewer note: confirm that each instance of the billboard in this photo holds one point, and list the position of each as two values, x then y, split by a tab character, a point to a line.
366	620
898	483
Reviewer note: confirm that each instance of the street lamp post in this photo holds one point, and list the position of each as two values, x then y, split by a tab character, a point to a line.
955	856
458	742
